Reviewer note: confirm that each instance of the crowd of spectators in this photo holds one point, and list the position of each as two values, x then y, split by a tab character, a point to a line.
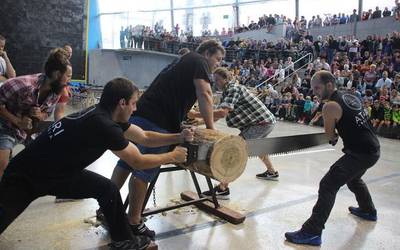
369	69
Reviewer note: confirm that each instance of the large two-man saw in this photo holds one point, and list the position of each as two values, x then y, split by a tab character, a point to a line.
263	146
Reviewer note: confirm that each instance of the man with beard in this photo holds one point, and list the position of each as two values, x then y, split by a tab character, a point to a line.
27	100
344	113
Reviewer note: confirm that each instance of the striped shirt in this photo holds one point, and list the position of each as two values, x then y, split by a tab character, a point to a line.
246	109
19	95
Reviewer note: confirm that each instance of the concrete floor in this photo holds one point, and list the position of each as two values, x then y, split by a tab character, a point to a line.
271	207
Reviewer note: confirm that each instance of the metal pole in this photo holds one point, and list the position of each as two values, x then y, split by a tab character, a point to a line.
297	8
360	10
237	13
172	16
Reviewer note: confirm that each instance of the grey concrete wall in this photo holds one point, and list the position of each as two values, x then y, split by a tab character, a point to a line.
381	26
277	33
33	28
137	65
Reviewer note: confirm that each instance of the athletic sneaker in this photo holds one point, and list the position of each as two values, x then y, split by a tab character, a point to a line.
301	237
138	243
219	193
371	216
142	229
268	175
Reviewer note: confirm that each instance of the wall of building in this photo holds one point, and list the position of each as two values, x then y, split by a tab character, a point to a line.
137	65
33	28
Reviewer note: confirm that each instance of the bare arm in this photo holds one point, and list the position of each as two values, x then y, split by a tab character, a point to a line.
331	113
204	97
217	113
22	123
59	111
154	139
10	71
136	160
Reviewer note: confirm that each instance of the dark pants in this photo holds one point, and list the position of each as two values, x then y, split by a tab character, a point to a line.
18	190
347	170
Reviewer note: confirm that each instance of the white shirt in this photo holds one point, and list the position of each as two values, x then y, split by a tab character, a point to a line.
381	83
3	66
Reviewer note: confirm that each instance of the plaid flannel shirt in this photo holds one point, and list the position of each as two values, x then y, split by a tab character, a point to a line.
19	95
247	109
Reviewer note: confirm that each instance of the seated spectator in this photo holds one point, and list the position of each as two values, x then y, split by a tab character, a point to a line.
317	118
367	108
383	82
377	114
370	77
396	117
6	69
368	96
396	82
387	118
394	97
298	109
307	111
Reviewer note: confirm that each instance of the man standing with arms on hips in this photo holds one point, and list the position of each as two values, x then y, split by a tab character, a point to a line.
344	113
162	108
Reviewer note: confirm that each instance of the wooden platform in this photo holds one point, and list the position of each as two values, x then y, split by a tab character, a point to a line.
221	212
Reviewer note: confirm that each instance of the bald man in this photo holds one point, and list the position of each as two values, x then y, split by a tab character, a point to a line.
343	113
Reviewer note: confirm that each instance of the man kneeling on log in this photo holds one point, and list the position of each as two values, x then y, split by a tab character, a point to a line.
246	112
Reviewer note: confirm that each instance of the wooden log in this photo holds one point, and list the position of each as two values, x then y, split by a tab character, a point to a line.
226	155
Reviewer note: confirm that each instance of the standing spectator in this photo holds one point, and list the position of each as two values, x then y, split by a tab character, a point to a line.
386	12
397	10
6	69
318	22
354	17
343	19
377	13
27	100
122	37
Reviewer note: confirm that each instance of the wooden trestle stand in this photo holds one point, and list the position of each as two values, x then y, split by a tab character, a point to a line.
224	159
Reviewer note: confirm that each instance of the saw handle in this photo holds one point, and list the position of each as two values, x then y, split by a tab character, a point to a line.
335	140
192	150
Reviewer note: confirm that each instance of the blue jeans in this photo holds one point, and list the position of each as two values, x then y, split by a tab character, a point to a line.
146	175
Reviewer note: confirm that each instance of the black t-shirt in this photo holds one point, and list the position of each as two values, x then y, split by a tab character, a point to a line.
71	144
354	127
172	94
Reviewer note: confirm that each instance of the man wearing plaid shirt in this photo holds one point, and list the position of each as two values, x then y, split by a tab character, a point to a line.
246	112
27	100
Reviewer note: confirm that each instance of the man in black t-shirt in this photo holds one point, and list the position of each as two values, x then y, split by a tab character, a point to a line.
54	164
345	114
162	108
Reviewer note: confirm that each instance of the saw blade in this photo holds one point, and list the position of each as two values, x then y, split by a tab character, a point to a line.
284	144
